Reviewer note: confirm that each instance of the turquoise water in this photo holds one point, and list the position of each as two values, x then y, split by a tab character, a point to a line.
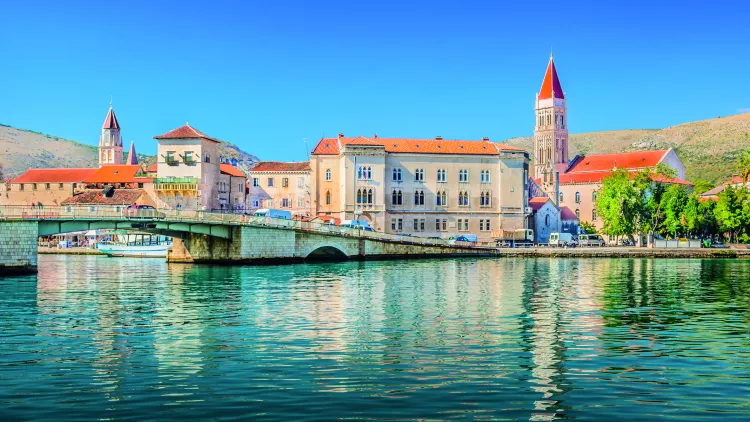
496	339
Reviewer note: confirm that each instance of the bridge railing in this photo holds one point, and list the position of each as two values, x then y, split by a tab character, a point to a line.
116	213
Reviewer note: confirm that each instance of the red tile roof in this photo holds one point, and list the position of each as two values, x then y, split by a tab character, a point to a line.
185	132
624	160
597	177
231	170
551	87
64	175
538	202
567	214
96	197
152	168
281	166
110	122
116	173
332	146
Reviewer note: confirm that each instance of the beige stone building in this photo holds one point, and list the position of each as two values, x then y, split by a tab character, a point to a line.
232	189
280	185
421	187
187	170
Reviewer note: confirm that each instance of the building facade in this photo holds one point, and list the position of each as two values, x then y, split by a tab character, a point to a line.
421	187
187	170
280	185
232	189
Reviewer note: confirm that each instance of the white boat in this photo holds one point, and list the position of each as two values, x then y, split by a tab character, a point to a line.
136	246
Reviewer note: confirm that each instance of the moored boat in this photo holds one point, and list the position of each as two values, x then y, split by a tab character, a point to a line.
136	246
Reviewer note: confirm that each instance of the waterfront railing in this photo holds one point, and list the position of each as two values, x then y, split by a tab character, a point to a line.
205	217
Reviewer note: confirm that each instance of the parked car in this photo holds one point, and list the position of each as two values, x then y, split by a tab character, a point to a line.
142	212
468	238
279	214
591	240
564	240
719	245
357	224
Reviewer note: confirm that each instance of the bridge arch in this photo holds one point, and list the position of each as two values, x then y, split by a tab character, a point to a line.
326	252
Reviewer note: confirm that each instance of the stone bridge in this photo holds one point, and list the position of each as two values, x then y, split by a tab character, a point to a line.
203	237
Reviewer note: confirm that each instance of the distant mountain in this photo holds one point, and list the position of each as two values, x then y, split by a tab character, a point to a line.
22	149
709	148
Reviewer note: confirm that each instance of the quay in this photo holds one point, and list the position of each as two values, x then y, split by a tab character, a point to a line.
624	252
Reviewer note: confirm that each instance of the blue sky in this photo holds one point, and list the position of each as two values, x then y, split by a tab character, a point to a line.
266	75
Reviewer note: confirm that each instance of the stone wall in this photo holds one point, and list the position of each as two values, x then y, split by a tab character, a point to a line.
18	246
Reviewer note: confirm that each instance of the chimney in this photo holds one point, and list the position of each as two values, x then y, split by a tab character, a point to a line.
486	139
375	136
341	135
438	138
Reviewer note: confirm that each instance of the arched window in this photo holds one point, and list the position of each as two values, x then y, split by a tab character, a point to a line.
369	173
396	198
546	220
369	196
328	175
396	175
578	197
593	215
593	196
328	197
359	173
359	196
560	195
444	198
578	214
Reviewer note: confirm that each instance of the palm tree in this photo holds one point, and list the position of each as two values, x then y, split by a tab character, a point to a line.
744	166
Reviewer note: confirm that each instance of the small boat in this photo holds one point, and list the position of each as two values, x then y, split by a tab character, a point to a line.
136	246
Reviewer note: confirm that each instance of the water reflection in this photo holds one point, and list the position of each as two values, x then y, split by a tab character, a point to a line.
513	339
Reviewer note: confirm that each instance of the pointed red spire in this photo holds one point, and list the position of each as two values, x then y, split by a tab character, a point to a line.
551	85
110	122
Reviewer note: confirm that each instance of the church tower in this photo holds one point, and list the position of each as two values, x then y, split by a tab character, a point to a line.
110	144
551	131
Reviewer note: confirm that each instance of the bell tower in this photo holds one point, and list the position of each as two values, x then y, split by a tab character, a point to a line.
110	143
551	130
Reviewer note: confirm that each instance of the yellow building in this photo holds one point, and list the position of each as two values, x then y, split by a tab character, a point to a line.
280	185
421	187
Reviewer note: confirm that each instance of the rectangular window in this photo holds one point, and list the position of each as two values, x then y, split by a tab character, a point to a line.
397	175
140	185
421	224
256	182
189	157
240	187
300	202
300	182
20	187
445	225
400	224
270	182
487	225
285	182
463	176
416	224
206	158
46	186
33	187
169	159
256	203
481	225
60	186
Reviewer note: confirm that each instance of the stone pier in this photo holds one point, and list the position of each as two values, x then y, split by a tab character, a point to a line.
18	246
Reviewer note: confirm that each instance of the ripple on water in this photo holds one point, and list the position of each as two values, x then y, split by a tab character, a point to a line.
509	339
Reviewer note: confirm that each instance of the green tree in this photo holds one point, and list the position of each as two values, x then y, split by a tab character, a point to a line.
588	227
673	202
743	166
619	204
728	212
701	186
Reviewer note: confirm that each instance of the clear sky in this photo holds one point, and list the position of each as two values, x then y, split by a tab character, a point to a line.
265	75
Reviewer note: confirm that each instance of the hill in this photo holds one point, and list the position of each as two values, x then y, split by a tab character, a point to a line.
22	149
709	148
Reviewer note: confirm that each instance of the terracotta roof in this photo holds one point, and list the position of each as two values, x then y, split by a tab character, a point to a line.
624	160
132	156
115	173
327	219
567	214
110	122
153	168
185	132
96	197
64	175
332	146
281	166
538	202
551	84
231	170
597	177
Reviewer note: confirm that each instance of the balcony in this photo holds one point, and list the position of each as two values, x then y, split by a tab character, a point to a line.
175	183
